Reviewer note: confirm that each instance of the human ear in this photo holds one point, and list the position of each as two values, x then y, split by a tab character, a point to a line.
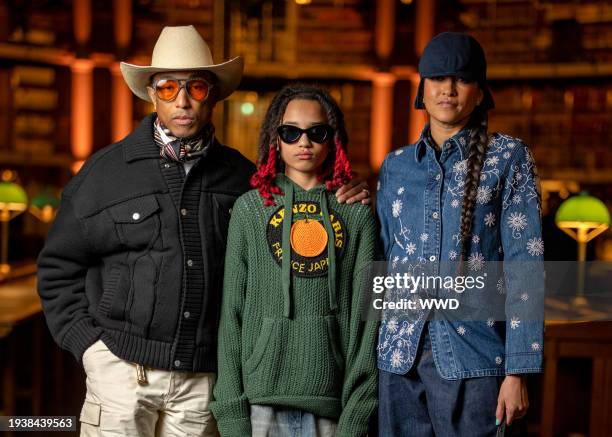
151	93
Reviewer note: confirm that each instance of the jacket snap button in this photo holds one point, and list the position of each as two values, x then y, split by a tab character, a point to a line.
189	263
135	216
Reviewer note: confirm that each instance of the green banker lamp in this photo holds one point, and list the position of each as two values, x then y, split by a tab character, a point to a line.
44	206
582	217
13	201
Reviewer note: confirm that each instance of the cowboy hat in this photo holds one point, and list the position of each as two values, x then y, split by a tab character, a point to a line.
182	48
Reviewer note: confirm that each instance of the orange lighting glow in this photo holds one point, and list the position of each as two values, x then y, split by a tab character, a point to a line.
382	116
82	108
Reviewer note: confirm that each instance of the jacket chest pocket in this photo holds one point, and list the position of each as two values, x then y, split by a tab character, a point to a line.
137	221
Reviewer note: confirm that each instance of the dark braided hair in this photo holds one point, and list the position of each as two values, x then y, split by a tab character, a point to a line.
479	140
336	169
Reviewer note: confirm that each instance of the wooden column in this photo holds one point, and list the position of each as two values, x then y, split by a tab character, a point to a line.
424	31
81	17
122	100
82	110
122	105
381	133
82	85
381	118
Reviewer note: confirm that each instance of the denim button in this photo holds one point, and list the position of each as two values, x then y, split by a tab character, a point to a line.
190	263
435	215
432	258
183	212
186	314
177	363
438	177
135	216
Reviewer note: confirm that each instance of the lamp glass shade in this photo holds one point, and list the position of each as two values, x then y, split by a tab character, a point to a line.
11	193
582	208
43	199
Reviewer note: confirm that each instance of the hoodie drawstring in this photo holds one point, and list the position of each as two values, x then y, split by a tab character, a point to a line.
286	247
331	253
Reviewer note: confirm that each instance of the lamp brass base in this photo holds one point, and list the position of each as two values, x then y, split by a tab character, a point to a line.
580	301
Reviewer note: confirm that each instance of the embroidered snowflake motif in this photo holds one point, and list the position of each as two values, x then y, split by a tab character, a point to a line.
535	246
500	286
400	190
489	219
498	360
392	325
396	358
517	222
492	161
398	152
476	261
455	203
511	145
396	207
460	167
404	260
410	248
490	322
475	239
507	155
517	199
535	346
515	322
424	237
395	260
483	194
410	329
461	330
452	255
524	297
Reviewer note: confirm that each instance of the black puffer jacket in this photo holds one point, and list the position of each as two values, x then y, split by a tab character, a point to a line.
135	255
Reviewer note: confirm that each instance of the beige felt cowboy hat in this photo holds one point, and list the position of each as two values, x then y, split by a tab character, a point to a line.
182	48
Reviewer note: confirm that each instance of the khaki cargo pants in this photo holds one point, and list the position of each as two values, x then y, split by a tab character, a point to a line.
172	403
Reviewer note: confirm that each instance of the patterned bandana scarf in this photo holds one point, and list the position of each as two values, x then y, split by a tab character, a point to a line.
182	149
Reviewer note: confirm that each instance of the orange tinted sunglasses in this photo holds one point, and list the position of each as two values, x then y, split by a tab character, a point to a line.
168	88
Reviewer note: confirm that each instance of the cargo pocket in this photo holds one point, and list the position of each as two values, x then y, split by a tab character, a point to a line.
90	413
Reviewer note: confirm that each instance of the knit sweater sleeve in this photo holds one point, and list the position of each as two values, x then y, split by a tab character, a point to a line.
359	394
231	407
62	269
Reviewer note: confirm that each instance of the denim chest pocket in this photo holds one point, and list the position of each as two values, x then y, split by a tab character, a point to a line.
137	221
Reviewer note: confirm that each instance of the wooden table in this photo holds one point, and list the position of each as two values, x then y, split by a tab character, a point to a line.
592	340
18	302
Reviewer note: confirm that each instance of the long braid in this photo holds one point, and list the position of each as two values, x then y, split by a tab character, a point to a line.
477	147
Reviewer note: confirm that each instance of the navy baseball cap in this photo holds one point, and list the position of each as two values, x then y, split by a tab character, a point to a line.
455	54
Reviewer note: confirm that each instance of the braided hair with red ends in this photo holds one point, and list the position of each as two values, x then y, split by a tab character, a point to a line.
478	143
336	169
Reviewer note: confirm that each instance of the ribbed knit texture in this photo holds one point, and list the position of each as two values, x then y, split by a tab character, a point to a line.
185	192
317	359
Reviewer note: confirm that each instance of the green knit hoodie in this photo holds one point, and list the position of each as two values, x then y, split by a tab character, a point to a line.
291	333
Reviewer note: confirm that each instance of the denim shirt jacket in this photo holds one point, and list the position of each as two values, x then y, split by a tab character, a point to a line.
419	203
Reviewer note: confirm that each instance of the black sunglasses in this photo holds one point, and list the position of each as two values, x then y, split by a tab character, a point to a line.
291	134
